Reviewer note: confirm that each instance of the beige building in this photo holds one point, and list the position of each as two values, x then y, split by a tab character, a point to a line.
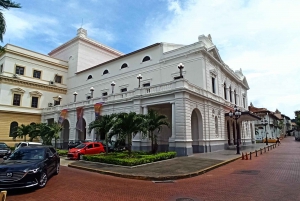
29	81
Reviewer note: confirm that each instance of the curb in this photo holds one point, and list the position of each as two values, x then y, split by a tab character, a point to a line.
159	178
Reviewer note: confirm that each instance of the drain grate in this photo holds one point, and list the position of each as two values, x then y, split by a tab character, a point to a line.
164	181
248	172
184	199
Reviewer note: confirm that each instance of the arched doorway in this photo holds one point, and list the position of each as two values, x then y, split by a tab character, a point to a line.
197	131
228	133
82	134
65	133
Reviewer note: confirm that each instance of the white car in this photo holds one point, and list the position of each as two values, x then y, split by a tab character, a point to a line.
24	144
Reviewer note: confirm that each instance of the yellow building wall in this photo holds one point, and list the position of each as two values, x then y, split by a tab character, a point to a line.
5	120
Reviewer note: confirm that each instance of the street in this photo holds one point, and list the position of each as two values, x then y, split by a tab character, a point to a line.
274	175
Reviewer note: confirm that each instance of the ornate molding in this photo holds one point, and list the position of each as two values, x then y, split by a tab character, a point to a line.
30	84
35	93
18	90
213	72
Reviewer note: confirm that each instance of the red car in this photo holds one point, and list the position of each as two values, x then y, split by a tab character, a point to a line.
86	148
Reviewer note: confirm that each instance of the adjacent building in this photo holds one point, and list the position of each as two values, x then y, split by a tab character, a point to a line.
190	84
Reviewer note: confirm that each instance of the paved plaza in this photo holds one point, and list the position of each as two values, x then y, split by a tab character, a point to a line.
274	175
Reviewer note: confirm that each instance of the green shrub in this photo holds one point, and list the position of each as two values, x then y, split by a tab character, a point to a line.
62	152
12	148
137	158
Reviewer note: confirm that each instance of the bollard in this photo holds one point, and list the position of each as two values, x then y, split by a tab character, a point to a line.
246	156
250	155
260	151
265	149
242	156
268	148
256	153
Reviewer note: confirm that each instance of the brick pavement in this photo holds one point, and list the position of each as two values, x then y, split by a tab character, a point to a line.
276	176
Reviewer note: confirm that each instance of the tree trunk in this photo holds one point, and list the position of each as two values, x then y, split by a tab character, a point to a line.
129	144
152	144
55	143
25	138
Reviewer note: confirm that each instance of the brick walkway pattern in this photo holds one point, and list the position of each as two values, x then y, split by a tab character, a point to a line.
275	175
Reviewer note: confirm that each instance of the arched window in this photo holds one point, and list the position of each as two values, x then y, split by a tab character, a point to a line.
230	95
216	125
146	58
124	65
225	94
13	128
105	72
90	77
234	97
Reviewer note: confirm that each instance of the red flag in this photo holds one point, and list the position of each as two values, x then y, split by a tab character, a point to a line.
63	115
79	124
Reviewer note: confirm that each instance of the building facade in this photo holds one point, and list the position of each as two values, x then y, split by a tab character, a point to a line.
196	99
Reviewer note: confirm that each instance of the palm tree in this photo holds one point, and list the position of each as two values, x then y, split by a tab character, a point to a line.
6	4
54	131
127	124
104	125
22	131
153	121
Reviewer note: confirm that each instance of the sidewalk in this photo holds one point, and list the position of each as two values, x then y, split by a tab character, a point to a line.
172	169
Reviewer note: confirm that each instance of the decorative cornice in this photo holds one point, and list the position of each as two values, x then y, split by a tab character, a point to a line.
25	83
18	90
35	93
213	72
36	58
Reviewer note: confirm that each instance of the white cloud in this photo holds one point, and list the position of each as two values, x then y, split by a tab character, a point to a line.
261	37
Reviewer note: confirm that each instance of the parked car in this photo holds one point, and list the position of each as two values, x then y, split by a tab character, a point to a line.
72	144
4	149
111	145
86	148
24	144
29	166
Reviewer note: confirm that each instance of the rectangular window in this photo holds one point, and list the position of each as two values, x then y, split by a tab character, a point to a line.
56	102
58	79
146	85
213	85
17	100
34	102
20	70
104	94
1	68
124	90
37	74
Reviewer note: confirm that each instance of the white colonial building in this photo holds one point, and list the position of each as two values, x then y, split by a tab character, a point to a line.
196	102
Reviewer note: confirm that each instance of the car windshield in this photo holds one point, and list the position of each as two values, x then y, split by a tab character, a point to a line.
28	154
3	146
80	146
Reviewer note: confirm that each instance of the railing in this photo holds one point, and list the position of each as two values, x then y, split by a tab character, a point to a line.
169	86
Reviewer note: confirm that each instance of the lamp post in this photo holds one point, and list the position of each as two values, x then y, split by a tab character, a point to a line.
92	91
112	86
264	122
180	66
75	94
139	77
236	114
59	99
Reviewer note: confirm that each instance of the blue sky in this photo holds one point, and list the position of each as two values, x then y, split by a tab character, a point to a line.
259	36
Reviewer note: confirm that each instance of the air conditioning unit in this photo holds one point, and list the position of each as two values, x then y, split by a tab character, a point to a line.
15	75
50	104
51	82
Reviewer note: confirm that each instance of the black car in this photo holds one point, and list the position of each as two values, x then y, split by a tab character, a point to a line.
4	150
28	167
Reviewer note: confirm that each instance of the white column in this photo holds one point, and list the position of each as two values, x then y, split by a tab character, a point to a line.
173	136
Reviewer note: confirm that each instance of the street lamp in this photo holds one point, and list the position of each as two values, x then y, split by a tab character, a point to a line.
59	99
75	94
92	91
112	86
139	77
264	122
180	66
236	114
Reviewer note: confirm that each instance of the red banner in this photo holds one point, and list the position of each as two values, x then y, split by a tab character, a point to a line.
79	124
98	107
63	115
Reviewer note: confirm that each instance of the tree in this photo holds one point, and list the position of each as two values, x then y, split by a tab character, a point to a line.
22	131
54	131
104	125
128	124
6	4
153	121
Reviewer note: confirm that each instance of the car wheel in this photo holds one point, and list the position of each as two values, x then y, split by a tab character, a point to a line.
43	180
57	169
78	157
